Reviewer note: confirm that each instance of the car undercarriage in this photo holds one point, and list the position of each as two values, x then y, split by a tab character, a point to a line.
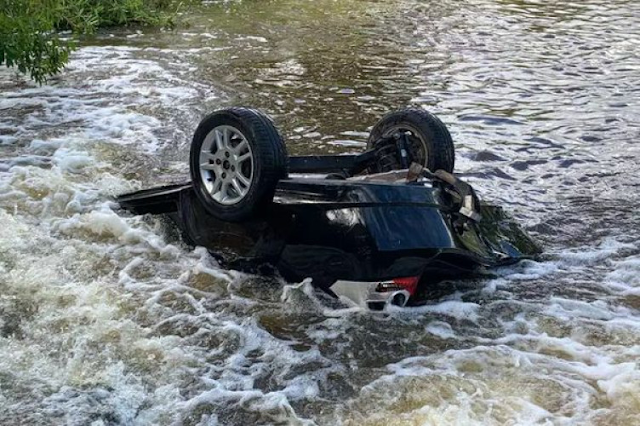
392	220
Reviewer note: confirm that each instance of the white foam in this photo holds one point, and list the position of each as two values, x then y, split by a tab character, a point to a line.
527	270
451	308
440	329
625	276
61	247
587	256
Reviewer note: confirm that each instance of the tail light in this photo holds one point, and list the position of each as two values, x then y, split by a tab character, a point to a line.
409	284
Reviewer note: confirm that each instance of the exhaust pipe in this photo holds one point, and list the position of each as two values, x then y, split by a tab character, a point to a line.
399	298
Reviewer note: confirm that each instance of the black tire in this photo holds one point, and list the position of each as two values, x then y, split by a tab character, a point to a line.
430	143
268	162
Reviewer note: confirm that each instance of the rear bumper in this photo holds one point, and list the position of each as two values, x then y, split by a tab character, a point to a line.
376	295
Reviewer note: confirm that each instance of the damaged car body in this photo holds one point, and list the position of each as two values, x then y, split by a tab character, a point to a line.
393	220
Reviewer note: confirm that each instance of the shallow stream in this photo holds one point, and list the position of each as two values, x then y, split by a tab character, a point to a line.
108	319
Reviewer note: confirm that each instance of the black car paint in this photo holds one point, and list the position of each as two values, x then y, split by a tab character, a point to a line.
351	230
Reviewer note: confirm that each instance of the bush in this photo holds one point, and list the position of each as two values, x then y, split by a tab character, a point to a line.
27	38
85	16
28	28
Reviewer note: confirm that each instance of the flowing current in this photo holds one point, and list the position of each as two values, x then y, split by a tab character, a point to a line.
108	319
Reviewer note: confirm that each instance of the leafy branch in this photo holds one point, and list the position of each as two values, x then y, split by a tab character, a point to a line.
29	38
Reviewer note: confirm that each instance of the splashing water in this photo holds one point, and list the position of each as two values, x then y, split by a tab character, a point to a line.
107	318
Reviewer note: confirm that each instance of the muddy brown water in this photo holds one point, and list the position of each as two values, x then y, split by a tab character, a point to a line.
108	319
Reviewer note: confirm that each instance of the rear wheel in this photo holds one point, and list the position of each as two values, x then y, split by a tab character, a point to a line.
237	157
428	141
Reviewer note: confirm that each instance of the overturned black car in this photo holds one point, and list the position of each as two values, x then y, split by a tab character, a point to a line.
393	219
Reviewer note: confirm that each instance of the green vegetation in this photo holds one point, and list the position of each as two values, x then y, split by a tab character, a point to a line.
29	38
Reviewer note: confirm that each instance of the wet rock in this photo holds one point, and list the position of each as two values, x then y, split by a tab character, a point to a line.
524	165
569	163
487	156
490	120
520	165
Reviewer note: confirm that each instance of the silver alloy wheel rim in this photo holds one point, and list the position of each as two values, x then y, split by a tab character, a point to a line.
226	165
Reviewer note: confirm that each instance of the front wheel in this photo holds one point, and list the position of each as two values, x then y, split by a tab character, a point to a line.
425	137
237	158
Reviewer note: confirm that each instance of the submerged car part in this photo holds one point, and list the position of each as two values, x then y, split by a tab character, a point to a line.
355	227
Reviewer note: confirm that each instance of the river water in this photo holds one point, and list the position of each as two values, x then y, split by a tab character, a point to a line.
108	319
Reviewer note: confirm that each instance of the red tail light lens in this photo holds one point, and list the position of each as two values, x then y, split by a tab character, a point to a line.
407	283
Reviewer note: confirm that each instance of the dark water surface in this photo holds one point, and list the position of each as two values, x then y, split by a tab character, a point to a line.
108	319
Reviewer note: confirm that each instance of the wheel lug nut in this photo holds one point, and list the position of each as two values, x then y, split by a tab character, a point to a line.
224	176
233	168
218	161
226	154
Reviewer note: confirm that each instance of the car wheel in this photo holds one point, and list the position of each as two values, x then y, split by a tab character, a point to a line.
428	141
237	158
